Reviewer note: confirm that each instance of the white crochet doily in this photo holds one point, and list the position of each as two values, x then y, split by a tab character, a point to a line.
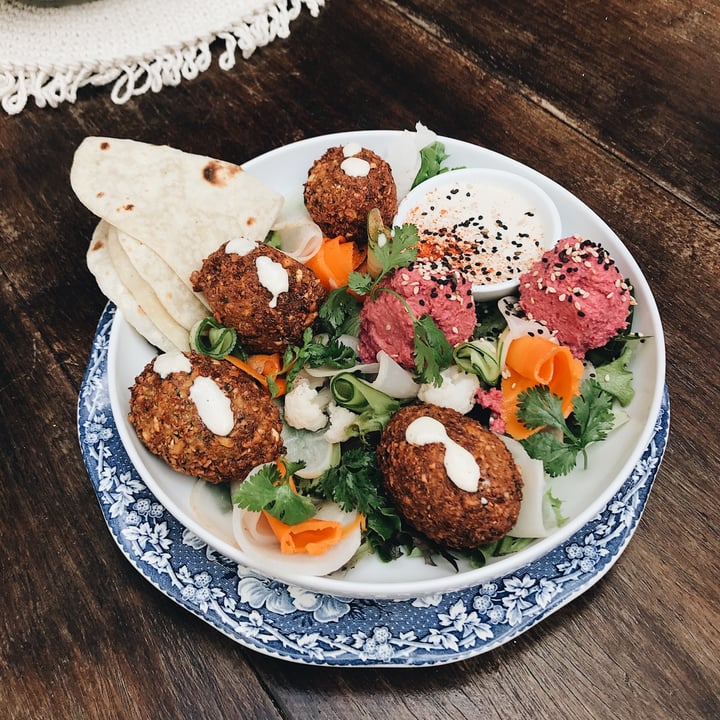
48	53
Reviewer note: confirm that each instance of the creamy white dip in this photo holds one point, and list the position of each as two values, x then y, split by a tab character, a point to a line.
240	246
355	167
490	233
273	277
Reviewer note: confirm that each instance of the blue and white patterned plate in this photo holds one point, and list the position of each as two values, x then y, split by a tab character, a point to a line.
308	627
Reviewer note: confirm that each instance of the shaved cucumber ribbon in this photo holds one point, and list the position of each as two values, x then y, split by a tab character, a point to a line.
390	378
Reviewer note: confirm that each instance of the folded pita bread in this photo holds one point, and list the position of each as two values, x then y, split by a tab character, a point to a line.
181	206
100	264
183	305
144	294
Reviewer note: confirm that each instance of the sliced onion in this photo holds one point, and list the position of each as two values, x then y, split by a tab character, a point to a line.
312	448
403	156
393	379
531	520
300	238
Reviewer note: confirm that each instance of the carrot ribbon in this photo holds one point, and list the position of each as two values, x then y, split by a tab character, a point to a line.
334	261
313	536
533	361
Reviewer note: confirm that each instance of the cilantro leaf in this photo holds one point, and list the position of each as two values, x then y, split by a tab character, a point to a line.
558	456
593	413
268	490
354	486
256	491
560	441
317	353
340	312
538	407
432	351
400	250
361	283
389	250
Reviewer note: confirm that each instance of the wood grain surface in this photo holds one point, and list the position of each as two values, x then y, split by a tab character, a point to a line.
617	101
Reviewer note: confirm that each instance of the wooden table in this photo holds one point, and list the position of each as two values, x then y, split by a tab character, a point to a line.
618	102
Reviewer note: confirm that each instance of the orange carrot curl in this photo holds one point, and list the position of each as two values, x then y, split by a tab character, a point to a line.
260	367
313	536
334	261
532	361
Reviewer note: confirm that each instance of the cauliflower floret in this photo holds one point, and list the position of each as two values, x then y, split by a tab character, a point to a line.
341	420
305	406
457	390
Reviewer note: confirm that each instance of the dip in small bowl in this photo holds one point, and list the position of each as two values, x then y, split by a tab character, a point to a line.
489	224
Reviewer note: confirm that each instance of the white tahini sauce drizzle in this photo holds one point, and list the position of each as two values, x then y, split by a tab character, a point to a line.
355	167
240	246
352	148
171	362
272	276
460	465
213	405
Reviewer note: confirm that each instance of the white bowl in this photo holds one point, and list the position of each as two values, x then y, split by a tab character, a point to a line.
503	220
584	492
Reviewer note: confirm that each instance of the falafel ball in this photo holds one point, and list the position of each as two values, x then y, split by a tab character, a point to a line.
268	297
416	481
344	185
165	411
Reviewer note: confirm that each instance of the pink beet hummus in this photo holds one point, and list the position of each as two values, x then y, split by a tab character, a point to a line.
578	292
385	323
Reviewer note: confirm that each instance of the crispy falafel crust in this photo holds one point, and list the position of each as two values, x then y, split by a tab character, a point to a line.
238	300
415	479
339	203
168	423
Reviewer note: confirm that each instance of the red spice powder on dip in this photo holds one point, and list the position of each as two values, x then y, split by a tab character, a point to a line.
492	225
578	292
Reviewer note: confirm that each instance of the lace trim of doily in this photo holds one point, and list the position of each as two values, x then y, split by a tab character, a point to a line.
53	77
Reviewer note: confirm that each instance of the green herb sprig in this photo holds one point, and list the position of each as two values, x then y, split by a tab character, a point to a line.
269	489
560	441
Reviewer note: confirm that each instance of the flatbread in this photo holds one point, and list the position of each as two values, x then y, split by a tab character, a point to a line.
180	205
101	266
144	295
183	305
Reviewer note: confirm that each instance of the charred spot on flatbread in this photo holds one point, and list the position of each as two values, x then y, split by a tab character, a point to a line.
217	172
